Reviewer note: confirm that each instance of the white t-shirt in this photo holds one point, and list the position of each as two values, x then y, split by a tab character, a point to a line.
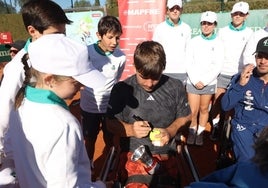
111	65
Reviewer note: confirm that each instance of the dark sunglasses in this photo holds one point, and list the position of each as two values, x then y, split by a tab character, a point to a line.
261	56
206	23
13	51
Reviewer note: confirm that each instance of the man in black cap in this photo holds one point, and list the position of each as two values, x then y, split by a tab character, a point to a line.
15	47
248	96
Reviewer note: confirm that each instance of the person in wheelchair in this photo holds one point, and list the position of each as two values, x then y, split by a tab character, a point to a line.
147	109
248	96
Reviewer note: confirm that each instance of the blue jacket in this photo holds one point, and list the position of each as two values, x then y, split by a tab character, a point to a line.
240	175
250	102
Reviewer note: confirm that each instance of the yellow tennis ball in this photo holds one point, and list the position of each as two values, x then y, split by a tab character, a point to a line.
153	134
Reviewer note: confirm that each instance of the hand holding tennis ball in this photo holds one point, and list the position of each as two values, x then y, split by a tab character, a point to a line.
155	137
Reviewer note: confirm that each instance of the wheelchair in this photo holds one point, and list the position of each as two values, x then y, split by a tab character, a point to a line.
110	169
226	156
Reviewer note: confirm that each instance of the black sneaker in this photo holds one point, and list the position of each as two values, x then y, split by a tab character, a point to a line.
191	137
199	139
214	136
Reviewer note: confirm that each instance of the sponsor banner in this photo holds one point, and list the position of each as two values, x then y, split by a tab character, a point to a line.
5	38
138	19
84	26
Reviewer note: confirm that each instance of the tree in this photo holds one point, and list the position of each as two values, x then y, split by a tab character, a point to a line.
111	3
97	3
82	3
18	2
6	8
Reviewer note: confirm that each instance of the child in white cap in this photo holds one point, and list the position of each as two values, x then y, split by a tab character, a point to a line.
46	139
234	37
39	18
174	34
204	59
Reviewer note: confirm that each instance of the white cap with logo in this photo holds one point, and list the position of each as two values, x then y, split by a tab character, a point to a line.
172	3
240	7
59	55
209	16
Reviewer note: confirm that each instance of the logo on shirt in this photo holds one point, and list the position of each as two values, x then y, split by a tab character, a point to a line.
150	98
240	127
248	101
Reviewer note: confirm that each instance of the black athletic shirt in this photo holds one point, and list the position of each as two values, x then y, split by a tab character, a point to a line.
160	107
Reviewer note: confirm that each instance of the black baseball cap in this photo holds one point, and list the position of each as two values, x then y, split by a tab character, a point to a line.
19	44
262	46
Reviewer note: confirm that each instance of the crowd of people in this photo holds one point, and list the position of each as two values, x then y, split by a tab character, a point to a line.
179	82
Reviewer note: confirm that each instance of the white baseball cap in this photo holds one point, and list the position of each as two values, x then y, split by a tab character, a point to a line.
240	7
209	16
60	55
172	3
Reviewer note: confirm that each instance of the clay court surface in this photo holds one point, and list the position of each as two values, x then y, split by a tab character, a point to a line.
204	157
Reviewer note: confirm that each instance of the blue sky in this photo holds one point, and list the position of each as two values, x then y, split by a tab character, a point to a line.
67	3
64	3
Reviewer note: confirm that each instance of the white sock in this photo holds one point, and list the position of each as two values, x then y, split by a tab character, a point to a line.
215	121
200	129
